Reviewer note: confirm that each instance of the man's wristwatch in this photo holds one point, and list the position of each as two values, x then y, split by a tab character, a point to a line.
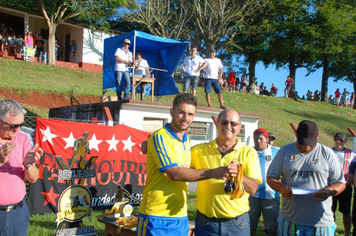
28	166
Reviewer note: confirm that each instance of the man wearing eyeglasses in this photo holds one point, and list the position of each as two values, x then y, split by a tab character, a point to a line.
123	60
345	157
217	214
163	210
17	161
265	200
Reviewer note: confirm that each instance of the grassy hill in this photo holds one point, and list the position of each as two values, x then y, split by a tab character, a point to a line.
24	78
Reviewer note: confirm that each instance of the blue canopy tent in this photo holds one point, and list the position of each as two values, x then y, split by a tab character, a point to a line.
163	54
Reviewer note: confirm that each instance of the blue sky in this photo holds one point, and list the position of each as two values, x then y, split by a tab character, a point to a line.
303	83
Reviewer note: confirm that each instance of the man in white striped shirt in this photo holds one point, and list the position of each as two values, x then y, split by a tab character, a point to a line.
345	156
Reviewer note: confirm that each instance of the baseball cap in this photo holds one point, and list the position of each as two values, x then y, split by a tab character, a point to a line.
340	135
271	135
94	120
212	50
259	132
127	41
307	133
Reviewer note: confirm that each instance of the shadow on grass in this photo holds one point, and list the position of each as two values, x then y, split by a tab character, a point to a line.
316	117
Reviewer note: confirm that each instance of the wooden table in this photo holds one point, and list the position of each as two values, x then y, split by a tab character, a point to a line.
111	228
137	80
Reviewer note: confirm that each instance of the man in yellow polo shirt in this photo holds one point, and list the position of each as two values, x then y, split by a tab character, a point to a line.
163	210
216	213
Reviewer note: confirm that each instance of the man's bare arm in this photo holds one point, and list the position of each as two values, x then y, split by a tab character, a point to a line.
190	175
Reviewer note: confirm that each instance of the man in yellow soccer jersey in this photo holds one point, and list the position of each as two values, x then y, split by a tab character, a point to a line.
219	213
163	210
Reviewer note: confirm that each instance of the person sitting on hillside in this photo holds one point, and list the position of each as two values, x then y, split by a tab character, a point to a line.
310	96
316	96
265	91
273	90
12	43
262	86
4	42
331	100
20	43
224	83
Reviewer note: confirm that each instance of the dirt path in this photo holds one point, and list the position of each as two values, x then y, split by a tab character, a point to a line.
46	100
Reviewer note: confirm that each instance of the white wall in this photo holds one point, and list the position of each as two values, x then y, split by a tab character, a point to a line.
133	114
93	46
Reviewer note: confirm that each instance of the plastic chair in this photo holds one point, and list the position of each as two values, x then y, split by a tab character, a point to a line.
29	55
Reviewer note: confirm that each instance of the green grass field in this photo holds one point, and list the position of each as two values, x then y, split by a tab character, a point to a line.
23	78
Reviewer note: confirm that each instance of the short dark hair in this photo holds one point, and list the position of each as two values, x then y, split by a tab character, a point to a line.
194	46
138	52
185	98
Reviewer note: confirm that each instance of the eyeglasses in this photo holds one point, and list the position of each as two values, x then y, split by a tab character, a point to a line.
339	140
127	43
232	123
13	126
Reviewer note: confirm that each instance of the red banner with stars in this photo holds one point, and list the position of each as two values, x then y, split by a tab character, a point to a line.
119	161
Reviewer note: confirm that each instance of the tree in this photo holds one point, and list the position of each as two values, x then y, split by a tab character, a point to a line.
165	18
336	24
251	40
291	41
56	12
207	23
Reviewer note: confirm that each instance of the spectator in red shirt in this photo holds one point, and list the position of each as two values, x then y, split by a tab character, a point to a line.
274	90
231	76
337	97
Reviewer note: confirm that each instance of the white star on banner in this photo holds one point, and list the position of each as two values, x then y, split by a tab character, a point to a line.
70	141
94	143
47	135
128	144
113	142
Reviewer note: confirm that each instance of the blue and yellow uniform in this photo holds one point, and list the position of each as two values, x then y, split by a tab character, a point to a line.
163	210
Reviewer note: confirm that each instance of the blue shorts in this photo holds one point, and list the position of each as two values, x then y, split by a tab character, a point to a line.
214	83
286	227
190	80
158	226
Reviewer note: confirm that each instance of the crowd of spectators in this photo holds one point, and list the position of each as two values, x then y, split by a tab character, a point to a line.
233	83
13	43
343	99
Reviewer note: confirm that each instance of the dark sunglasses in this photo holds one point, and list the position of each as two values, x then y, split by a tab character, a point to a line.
127	43
339	140
226	122
13	126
